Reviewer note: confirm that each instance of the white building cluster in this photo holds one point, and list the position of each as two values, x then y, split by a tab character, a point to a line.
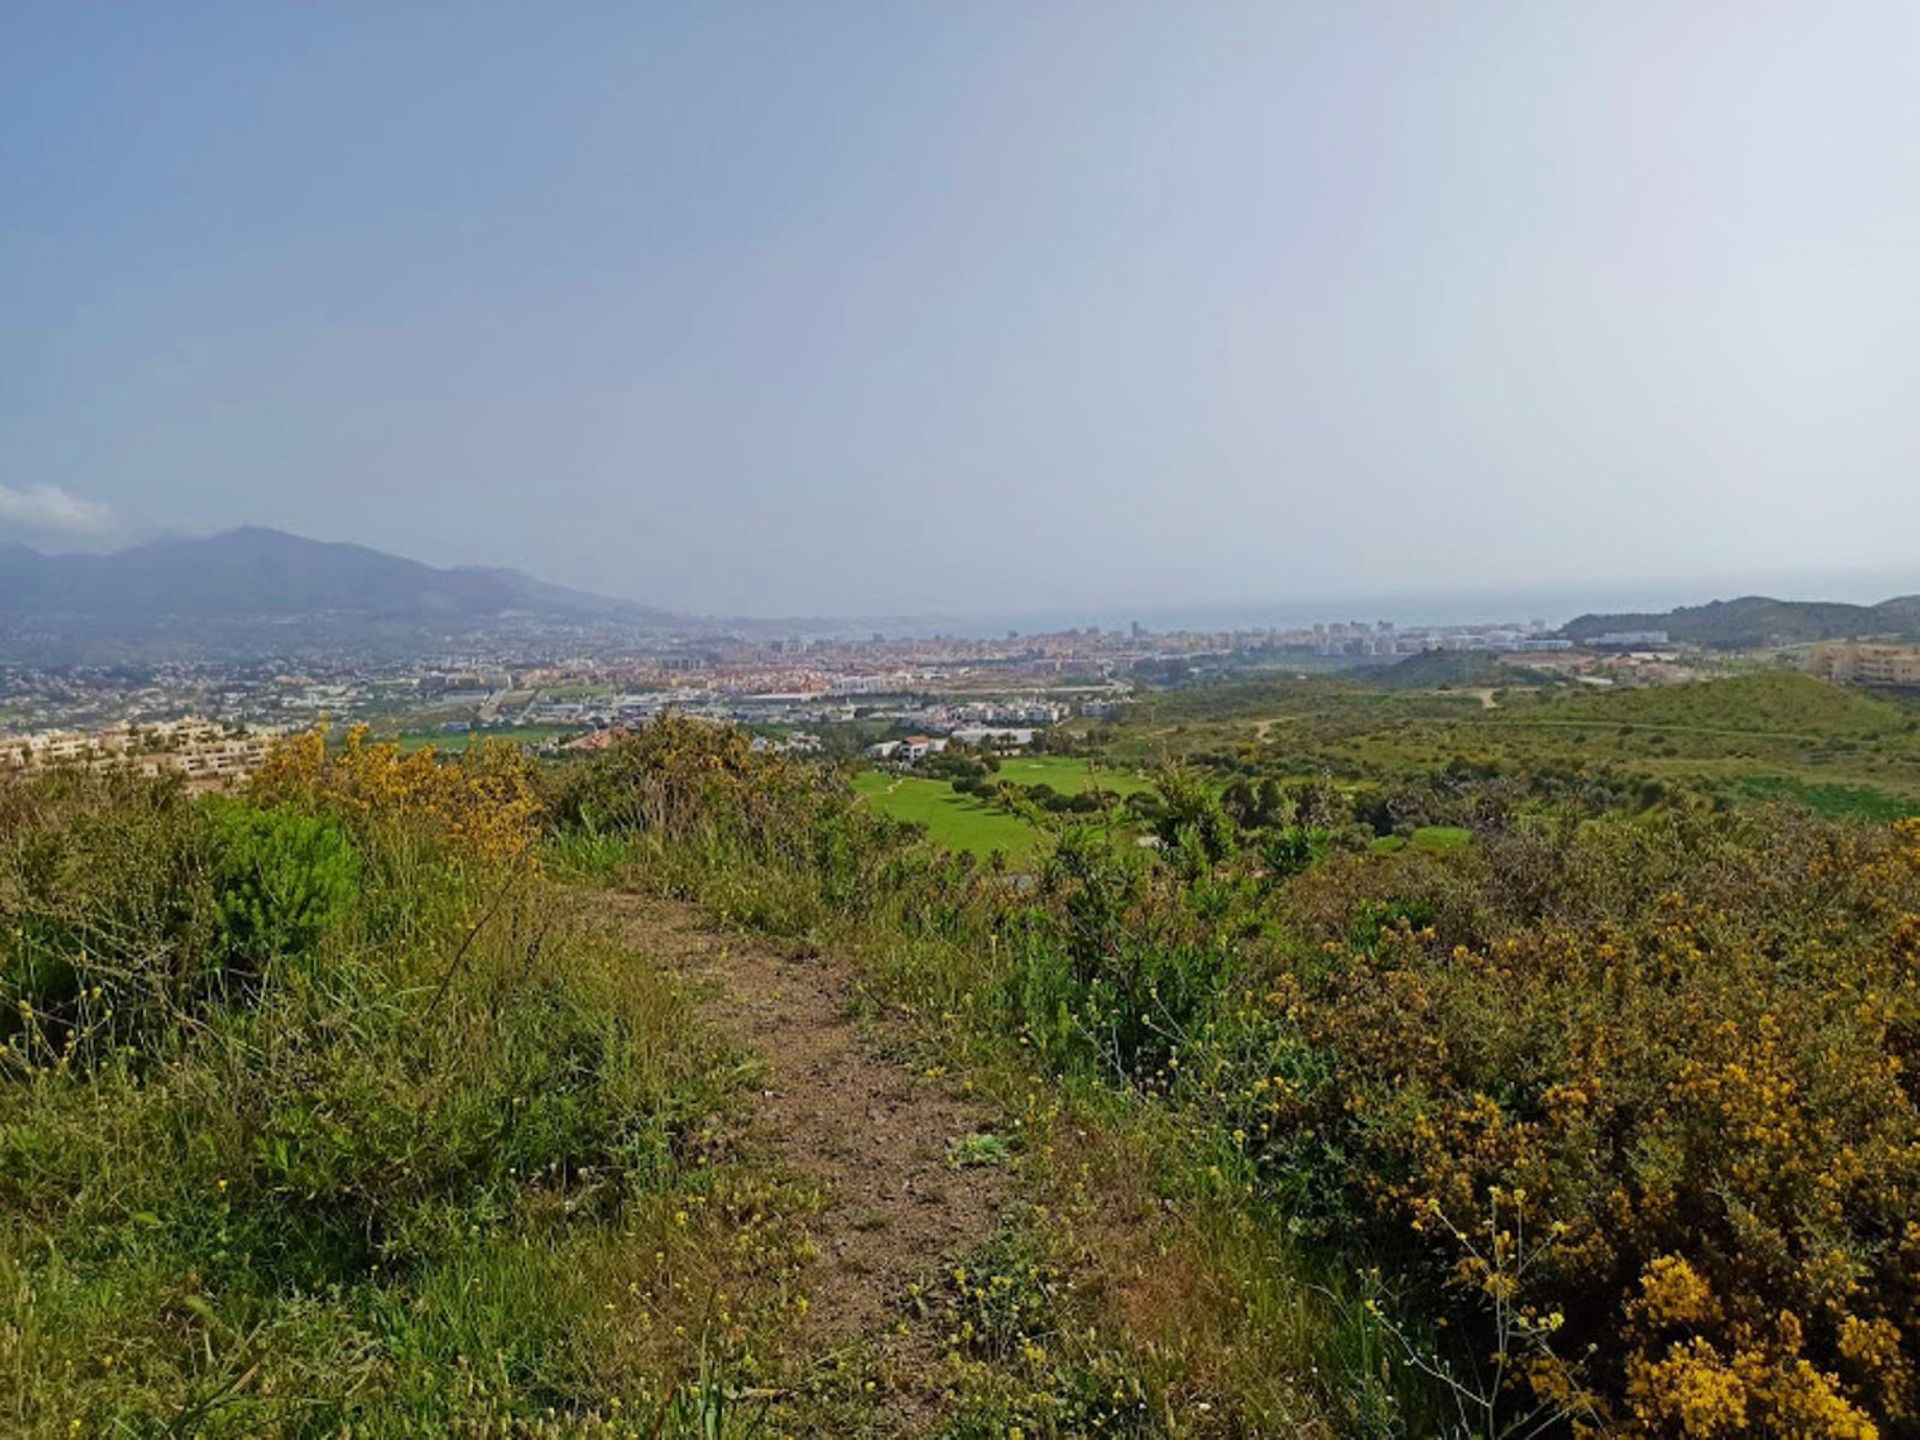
207	754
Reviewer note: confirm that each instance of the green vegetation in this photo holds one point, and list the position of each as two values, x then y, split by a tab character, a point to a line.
1070	776
1835	802
1436	838
280	882
1437	1068
1005	817
1755	621
959	822
454	742
1614	749
1443	669
978	1149
1605	1099
315	1116
1781	703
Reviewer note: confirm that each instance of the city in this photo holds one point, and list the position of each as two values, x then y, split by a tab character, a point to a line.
940	683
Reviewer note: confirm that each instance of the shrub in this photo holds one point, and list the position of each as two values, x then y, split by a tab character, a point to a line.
1193	820
280	881
703	790
485	805
1700	1116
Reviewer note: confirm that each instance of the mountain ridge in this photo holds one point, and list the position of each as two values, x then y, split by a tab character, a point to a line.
259	572
1753	621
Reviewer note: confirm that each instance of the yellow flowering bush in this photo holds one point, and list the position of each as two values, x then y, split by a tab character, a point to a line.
1708	1101
486	803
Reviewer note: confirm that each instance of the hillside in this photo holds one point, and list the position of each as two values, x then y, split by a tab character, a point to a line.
1437	669
255	571
1783	703
1753	621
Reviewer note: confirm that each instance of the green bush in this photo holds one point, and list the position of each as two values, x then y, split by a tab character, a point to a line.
280	881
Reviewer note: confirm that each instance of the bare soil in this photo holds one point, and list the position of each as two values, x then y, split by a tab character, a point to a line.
871	1133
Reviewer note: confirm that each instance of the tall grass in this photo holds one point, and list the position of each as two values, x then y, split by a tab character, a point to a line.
279	1156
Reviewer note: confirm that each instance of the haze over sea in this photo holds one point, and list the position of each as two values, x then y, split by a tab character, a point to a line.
1467	605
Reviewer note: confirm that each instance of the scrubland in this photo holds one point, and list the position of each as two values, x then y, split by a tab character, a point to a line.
333	1106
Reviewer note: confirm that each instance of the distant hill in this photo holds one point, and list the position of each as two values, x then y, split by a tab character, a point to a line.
1434	669
255	572
1754	621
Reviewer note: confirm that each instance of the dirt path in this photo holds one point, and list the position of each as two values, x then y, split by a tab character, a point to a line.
869	1132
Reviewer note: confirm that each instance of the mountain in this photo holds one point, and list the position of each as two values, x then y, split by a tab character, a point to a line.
1753	621
259	574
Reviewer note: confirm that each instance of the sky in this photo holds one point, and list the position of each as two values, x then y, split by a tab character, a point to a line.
825	308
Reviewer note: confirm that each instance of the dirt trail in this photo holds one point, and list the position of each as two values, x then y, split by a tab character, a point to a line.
871	1133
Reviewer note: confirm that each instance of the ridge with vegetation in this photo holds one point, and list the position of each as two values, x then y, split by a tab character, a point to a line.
1755	622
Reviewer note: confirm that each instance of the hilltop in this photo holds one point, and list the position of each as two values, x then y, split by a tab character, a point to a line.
1753	621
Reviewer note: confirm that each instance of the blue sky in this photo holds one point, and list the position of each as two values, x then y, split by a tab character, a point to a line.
825	307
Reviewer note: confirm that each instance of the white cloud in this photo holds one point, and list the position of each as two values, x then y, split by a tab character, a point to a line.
48	511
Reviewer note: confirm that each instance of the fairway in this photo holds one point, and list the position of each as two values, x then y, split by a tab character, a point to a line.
455	742
958	822
1437	838
1835	802
1070	776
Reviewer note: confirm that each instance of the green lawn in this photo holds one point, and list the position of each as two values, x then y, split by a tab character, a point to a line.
1835	802
958	822
1437	838
1069	776
454	742
961	822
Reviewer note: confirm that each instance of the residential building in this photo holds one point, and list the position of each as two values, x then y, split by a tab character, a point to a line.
1851	663
209	755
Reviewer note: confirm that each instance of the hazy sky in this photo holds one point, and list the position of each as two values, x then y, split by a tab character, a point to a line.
833	307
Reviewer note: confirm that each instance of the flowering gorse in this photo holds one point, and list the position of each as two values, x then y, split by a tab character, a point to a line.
485	804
